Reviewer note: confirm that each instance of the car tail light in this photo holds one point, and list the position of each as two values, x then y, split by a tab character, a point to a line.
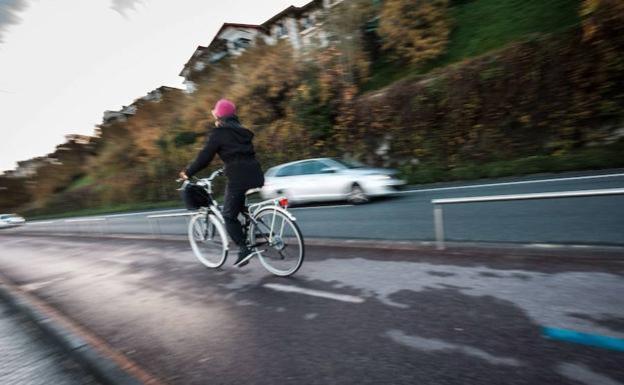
283	202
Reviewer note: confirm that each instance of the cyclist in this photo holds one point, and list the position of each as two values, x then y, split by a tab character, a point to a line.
233	143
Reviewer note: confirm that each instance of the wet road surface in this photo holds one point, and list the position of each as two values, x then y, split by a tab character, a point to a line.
350	316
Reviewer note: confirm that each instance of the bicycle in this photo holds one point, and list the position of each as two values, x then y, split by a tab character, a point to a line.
270	230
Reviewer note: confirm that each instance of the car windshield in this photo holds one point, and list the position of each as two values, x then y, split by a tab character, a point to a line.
349	163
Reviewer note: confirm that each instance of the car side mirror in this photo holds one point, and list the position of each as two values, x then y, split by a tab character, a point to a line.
328	170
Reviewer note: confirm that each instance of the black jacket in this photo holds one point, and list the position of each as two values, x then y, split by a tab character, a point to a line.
233	143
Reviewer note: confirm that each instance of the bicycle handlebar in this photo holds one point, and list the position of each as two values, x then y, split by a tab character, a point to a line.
215	174
193	179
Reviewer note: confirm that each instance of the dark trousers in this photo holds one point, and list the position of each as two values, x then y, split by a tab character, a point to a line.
232	206
242	176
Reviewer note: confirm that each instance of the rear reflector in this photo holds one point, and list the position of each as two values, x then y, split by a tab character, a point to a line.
283	202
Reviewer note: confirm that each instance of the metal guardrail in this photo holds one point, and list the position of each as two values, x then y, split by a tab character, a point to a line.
80	221
90	224
158	216
438	203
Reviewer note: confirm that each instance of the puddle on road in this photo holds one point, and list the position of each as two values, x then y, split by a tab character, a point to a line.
548	299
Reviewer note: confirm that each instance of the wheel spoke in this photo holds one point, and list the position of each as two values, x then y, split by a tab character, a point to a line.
285	251
208	240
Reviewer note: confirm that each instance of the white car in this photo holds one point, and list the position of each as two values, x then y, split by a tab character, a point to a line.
329	179
11	220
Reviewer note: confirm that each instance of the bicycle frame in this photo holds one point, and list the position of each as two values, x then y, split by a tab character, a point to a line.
260	226
252	209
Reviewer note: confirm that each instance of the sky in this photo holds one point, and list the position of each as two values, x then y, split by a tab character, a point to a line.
64	62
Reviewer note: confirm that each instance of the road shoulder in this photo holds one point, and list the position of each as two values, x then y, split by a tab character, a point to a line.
94	354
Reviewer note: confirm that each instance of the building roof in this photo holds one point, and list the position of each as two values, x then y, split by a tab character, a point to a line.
264	27
235	25
289	11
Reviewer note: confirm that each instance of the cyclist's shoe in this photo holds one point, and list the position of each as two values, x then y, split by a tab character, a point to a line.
243	252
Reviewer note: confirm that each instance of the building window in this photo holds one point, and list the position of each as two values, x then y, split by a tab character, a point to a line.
307	22
199	65
331	3
242	43
281	30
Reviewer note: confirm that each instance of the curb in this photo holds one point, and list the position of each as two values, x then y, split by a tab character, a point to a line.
105	363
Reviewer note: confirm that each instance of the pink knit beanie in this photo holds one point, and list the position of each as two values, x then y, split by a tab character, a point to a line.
224	108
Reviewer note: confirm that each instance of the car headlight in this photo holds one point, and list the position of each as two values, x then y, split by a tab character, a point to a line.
380	177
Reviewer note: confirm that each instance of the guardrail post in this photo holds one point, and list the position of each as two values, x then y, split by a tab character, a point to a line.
151	225
158	226
439	226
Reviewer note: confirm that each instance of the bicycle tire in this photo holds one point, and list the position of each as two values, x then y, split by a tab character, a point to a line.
273	257
208	240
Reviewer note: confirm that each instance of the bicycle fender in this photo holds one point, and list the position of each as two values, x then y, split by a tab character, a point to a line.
280	209
217	213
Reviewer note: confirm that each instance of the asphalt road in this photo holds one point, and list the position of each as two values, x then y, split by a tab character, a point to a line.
28	358
348	317
409	216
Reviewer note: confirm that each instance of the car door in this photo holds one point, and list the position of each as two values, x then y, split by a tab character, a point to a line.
306	184
324	181
288	181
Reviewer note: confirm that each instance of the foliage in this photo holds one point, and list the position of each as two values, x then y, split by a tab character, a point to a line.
584	159
480	26
416	30
547	103
346	28
602	18
484	25
551	96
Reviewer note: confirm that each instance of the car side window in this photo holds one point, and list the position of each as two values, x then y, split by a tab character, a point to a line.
293	169
315	167
307	168
284	171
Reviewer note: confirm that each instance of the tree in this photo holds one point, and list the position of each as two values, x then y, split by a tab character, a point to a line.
602	19
416	30
346	27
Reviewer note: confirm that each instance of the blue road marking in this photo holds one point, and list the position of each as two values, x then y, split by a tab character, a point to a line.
597	340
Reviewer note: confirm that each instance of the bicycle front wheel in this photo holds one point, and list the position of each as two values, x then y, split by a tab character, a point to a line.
279	241
208	240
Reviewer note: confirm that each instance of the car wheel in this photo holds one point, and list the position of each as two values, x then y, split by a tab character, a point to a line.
357	195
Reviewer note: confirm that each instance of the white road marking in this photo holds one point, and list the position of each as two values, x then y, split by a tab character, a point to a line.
33	286
314	293
320	207
513	183
544	245
585	375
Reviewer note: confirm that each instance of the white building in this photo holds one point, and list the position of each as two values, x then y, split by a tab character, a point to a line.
300	26
118	116
231	39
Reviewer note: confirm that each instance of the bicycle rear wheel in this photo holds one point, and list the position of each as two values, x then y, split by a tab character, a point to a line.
279	241
208	240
